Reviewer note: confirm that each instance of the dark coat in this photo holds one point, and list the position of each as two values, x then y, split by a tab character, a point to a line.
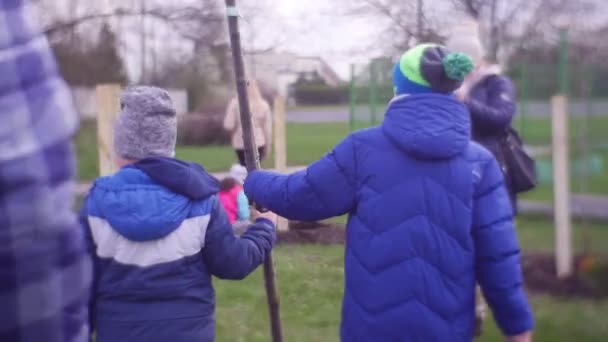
492	104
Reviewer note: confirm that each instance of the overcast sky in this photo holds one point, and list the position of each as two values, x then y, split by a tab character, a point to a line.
306	27
321	28
315	28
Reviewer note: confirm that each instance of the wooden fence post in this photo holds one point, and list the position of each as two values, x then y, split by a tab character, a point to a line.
280	148
561	186
108	106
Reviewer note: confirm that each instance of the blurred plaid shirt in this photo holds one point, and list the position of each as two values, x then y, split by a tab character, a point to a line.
44	271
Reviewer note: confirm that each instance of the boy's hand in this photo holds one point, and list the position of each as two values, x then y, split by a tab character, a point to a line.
272	217
525	337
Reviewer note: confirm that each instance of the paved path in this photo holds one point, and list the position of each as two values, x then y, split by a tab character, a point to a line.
541	109
584	206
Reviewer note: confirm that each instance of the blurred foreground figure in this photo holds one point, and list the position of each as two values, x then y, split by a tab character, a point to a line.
429	214
44	273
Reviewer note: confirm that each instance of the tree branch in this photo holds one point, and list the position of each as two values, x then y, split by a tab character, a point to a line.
471	7
183	14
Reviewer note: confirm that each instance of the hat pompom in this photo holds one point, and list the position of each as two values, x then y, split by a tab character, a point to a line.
457	65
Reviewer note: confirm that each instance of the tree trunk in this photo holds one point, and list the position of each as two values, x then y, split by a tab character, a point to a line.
494	44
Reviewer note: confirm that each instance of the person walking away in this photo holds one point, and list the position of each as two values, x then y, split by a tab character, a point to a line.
233	198
490	98
45	272
261	117
158	233
429	214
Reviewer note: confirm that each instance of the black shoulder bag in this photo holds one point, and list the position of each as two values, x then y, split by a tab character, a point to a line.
520	166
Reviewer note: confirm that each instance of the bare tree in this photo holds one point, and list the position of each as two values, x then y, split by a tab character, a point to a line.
510	25
402	22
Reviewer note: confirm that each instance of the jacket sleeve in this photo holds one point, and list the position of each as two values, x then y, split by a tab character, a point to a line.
325	189
228	256
230	120
497	111
243	205
497	254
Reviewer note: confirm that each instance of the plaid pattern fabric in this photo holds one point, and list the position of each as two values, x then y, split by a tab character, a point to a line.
44	268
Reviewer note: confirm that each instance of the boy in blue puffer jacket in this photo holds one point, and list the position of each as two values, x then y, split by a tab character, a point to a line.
158	233
429	215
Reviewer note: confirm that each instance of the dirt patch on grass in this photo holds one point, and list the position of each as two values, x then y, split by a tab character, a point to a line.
302	233
590	279
587	281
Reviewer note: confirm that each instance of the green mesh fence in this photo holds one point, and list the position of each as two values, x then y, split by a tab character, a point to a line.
370	92
588	110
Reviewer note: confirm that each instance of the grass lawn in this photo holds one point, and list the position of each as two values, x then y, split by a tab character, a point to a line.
307	142
313	108
310	280
595	183
537	234
537	131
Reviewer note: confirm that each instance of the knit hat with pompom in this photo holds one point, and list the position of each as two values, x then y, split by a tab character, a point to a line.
430	68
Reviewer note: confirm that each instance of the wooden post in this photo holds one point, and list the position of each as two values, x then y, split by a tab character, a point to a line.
561	187
108	106
280	148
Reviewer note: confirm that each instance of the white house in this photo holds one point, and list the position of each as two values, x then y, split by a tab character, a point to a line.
278	70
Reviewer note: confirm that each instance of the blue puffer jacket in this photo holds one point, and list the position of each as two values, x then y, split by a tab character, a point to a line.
428	217
158	234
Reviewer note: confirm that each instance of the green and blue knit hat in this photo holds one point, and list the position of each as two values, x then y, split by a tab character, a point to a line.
430	68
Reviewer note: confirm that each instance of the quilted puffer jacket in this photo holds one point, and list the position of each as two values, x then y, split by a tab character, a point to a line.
429	216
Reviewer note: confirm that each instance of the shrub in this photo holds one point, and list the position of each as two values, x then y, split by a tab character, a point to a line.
320	94
203	129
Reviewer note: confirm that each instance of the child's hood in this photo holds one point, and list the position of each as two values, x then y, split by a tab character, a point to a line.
428	126
151	198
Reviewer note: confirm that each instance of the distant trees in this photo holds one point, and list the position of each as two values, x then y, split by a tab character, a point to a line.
87	64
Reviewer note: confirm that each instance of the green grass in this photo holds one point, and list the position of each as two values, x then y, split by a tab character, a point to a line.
307	142
537	234
310	280
304	108
596	183
537	131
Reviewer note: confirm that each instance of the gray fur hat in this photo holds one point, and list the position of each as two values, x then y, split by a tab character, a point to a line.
147	124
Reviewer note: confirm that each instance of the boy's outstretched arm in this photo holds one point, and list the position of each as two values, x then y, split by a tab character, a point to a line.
325	189
228	256
497	252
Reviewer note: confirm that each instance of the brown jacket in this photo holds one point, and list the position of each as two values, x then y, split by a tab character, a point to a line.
262	124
